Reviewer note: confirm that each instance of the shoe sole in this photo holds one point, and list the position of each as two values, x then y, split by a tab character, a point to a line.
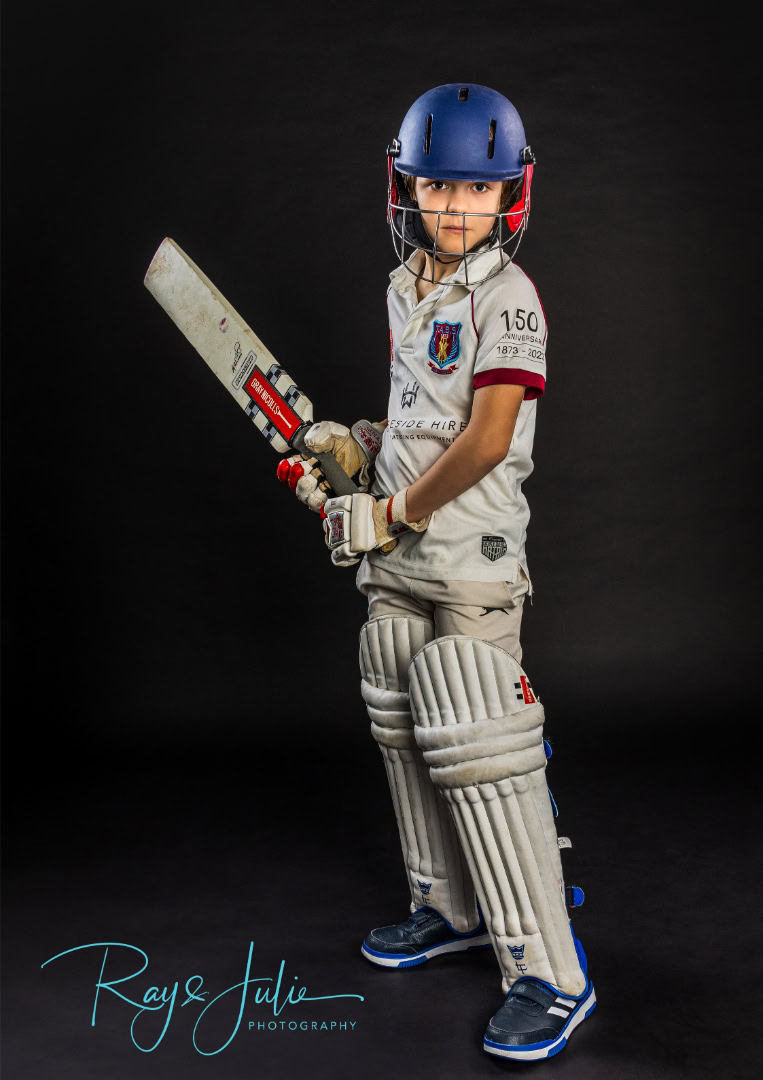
537	1052
403	960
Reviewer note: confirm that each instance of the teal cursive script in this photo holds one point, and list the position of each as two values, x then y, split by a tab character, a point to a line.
156	998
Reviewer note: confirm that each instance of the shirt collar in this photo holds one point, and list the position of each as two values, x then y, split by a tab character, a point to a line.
403	281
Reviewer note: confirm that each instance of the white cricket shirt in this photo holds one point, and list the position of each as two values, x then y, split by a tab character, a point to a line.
457	339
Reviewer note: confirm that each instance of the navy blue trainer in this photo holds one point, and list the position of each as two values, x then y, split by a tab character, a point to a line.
536	1020
425	934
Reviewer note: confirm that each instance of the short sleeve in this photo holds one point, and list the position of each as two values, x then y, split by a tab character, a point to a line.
511	329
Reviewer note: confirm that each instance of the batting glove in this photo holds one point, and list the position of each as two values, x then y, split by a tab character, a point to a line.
355	449
354	524
305	478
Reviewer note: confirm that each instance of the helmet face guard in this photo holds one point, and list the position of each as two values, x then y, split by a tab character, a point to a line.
457	132
405	219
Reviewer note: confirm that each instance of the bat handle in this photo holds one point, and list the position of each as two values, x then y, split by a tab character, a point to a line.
340	482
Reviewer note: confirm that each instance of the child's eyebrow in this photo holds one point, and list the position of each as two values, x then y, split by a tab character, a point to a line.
442	180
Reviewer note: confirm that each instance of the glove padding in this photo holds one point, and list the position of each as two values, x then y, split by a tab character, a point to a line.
355	450
305	478
353	524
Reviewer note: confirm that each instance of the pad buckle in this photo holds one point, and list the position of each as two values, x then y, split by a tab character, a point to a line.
574	896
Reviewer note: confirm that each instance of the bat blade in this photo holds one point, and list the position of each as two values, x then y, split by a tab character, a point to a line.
230	348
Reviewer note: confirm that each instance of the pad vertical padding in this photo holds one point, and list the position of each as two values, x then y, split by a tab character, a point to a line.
483	742
438	874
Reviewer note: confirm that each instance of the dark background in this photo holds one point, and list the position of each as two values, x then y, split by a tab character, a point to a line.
187	762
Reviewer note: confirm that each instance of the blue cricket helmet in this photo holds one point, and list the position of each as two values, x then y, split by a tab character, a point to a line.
462	132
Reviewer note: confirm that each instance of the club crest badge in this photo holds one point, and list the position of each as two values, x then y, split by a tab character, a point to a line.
444	347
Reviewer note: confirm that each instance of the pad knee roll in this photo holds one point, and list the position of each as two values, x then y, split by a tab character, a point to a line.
387	646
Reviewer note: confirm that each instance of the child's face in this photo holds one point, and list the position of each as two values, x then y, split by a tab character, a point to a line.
458	197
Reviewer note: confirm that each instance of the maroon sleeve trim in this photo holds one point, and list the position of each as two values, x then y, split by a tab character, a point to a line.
535	383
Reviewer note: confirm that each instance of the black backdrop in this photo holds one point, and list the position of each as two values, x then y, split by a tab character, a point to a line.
187	760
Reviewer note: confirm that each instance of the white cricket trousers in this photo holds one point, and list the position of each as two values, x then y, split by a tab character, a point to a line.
490	610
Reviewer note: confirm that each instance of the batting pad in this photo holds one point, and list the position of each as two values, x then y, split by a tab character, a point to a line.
481	729
438	874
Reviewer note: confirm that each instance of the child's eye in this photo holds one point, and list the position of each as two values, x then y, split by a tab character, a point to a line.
483	187
438	185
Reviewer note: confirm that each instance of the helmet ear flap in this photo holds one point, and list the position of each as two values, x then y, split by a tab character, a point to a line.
520	211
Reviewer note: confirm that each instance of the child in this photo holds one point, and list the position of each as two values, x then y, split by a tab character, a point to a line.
442	518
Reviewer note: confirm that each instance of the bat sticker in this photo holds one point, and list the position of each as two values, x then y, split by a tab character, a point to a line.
278	413
246	368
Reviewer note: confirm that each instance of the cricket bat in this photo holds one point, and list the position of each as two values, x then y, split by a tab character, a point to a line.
267	394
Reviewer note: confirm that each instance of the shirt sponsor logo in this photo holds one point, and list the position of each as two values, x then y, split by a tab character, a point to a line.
444	347
494	547
441	430
410	393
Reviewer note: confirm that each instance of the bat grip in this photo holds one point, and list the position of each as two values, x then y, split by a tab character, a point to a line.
340	482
